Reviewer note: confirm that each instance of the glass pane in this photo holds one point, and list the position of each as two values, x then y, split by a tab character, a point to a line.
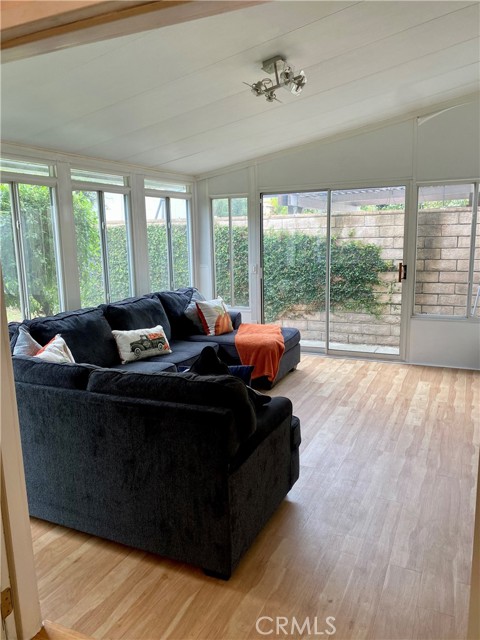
443	249
117	246
8	258
30	168
157	243
160	185
294	262
180	243
475	304
95	176
222	249
367	228
38	241
89	248
239	234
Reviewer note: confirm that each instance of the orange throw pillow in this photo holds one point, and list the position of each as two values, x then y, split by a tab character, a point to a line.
214	317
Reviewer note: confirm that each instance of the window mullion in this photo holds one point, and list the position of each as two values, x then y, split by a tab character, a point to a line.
19	251
58	247
327	269
471	267
230	250
169	243
104	245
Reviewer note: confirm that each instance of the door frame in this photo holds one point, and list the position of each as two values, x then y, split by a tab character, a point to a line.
14	506
409	236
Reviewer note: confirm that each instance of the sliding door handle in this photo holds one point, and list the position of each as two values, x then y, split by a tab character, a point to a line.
402	271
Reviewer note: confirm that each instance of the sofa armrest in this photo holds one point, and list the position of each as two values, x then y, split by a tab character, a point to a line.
236	318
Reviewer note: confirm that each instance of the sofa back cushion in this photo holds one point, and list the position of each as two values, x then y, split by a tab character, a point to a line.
86	332
51	374
185	388
175	303
137	313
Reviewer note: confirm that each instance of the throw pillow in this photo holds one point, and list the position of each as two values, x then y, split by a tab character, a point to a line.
25	344
55	351
141	343
242	371
214	316
209	364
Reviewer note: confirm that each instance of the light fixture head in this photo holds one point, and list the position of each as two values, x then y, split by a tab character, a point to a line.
298	82
284	77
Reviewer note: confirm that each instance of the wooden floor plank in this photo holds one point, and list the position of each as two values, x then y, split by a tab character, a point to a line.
55	631
377	532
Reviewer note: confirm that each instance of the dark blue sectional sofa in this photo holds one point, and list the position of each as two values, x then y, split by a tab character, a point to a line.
178	464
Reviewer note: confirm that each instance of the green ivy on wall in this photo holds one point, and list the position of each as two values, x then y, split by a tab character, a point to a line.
294	272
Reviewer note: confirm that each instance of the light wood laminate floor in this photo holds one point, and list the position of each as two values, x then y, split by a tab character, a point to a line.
377	533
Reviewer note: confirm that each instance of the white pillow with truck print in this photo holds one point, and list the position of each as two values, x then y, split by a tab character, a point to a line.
137	344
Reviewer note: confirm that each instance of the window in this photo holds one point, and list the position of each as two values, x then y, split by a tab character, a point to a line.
168	237
100	210
180	239
81	175
29	249
157	241
230	231
447	272
102	246
160	185
26	168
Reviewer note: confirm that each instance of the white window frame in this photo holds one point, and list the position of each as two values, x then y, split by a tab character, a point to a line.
229	198
167	196
100	189
13	180
471	267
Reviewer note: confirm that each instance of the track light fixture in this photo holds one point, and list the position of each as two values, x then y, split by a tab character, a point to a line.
284	77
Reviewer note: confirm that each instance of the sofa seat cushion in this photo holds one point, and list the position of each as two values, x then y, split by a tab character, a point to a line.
224	392
51	374
268	419
225	342
137	313
146	366
86	332
184	353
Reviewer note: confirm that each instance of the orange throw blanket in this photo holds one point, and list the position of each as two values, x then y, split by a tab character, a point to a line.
261	345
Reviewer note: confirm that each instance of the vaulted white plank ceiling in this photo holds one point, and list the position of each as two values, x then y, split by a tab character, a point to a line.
174	98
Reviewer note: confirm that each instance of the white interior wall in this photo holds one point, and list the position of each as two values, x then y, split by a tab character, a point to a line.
439	145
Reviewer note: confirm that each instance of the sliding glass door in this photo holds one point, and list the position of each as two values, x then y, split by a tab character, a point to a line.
367	230
294	253
331	266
